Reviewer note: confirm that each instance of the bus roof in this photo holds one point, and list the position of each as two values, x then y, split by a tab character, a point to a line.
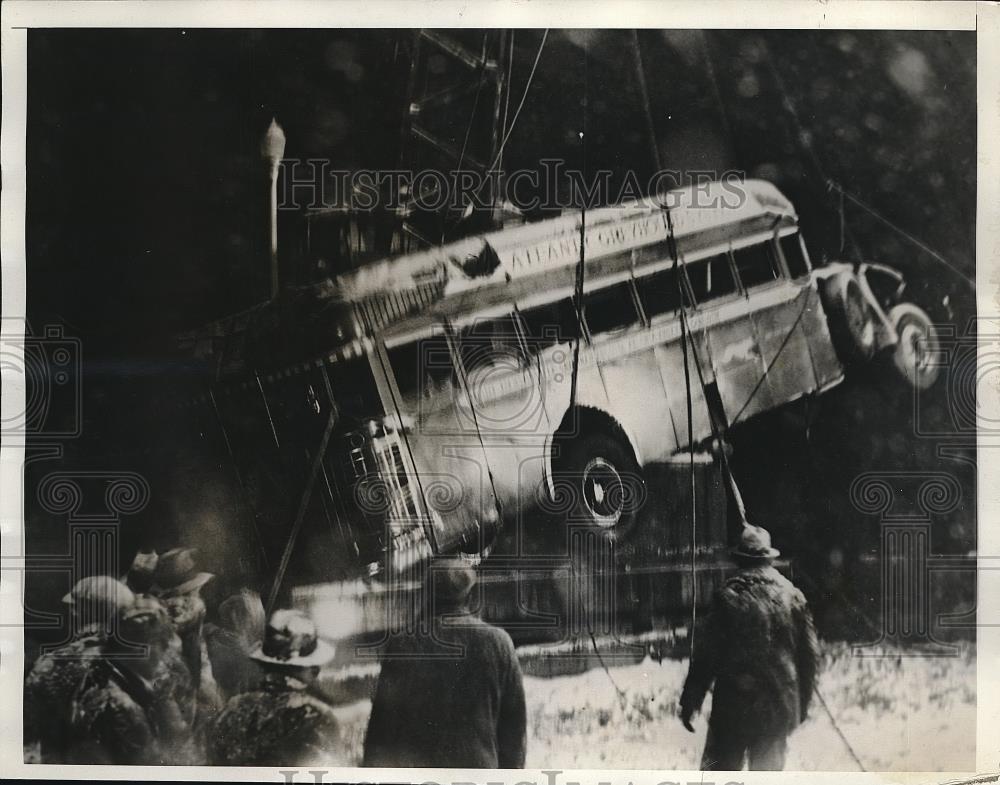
479	269
537	248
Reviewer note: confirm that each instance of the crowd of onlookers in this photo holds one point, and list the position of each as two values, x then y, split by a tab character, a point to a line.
146	679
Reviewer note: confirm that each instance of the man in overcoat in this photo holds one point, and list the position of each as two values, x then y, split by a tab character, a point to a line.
449	695
759	648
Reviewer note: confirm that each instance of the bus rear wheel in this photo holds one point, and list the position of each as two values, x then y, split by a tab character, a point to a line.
601	485
914	354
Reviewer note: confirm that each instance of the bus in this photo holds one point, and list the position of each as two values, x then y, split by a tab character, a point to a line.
420	404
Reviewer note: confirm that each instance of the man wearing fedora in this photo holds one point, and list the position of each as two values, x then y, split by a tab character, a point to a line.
759	648
282	722
177	583
451	697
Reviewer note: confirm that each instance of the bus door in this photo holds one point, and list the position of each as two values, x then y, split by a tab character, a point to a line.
735	351
503	406
660	298
304	422
813	326
777	312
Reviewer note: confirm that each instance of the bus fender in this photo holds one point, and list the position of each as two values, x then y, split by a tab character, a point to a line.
844	290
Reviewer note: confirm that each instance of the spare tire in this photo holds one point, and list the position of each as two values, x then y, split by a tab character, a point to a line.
915	353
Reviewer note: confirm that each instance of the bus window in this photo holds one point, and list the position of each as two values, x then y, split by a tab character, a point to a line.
610	309
421	366
658	292
549	324
490	343
756	264
711	278
791	249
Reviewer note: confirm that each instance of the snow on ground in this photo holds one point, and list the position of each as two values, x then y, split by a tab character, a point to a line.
899	713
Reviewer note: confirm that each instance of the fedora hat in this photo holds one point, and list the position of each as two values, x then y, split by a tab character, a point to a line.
176	573
755	543
142	571
290	640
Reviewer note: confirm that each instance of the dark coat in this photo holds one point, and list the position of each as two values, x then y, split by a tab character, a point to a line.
452	700
232	667
759	647
75	700
48	695
278	724
118	717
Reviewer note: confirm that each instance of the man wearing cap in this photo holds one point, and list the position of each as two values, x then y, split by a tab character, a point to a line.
93	602
452	697
117	715
282	722
759	648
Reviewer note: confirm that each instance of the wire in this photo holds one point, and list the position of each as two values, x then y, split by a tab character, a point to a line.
836	727
524	95
916	241
805	140
453	337
770	365
640	74
513	123
685	337
472	115
710	67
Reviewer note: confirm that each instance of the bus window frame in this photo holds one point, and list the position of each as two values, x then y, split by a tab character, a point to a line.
737	292
789	232
612	334
539	301
781	271
686	298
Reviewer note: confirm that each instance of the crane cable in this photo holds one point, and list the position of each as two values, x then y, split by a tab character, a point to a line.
805	140
672	244
513	122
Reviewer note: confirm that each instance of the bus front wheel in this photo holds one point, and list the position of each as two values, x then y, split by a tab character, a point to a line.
600	484
914	356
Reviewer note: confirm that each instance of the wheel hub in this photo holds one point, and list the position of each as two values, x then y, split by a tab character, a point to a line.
603	492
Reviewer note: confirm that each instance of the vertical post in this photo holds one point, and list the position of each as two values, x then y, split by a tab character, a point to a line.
273	149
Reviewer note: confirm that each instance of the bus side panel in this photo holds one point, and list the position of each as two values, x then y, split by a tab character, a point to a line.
557	366
638	400
826	365
452	477
739	367
670	359
785	348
